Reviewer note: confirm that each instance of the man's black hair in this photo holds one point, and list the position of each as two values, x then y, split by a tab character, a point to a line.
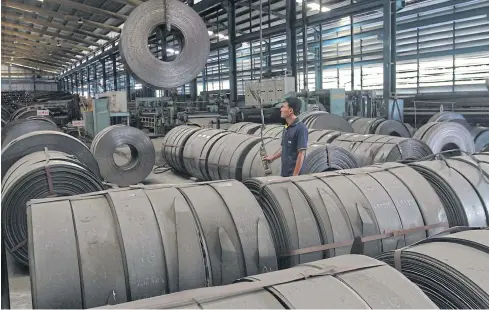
295	104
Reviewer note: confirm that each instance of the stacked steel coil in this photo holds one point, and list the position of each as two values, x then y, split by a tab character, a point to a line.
142	154
451	270
123	245
5	116
335	207
39	175
173	144
370	149
324	120
447	116
19	127
462	183
481	138
321	157
446	136
352	281
379	126
245	128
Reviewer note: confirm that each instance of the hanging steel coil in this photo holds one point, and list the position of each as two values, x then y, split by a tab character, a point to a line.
128	244
20	127
53	141
462	183
197	150
142	154
173	146
245	128
352	281
481	137
39	175
140	61
451	269
321	157
370	149
446	136
227	158
318	216
324	120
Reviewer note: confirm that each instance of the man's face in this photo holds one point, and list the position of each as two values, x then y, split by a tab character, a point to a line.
285	110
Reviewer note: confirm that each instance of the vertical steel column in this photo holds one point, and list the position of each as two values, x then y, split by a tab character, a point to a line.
81	81
233	79
128	86
114	70
9	78
250	29
104	74
389	50
352	51
88	81
76	81
318	60
269	58
95	77
453	49
291	38
304	44
72	84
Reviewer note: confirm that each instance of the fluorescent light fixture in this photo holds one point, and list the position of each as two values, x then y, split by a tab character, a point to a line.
325	9
245	44
210	32
313	6
170	50
222	36
138	86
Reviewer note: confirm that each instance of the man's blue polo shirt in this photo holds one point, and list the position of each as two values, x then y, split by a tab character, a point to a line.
294	139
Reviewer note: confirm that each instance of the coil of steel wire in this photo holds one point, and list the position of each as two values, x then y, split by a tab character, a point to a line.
142	154
335	207
173	146
53	141
39	175
20	127
481	138
462	183
138	58
446	136
324	120
370	149
245	128
227	158
128	244
352	281
451	269
321	157
197	150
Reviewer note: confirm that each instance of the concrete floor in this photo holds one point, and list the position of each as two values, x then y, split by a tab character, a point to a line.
19	280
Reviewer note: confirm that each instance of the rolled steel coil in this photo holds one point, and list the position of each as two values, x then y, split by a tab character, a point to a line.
142	159
336	207
253	165
53	141
446	136
140	61
197	150
39	175
20	111
271	131
128	244
370	149
379	126
324	120
462	183
321	157
5	115
481	138
42	118
447	116
173	146
451	270
4	123
20	127
352	281
245	128
326	136
227	158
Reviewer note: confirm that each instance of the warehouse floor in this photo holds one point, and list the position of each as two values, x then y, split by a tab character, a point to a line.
19	281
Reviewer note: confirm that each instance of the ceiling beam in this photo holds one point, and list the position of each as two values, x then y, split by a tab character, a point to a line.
48	33
54	25
129	2
36	50
30	43
45	55
44	39
59	15
89	9
33	63
41	59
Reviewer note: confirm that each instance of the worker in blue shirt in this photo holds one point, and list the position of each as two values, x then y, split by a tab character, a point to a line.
294	139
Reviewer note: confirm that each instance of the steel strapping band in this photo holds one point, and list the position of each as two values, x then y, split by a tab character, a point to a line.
363	239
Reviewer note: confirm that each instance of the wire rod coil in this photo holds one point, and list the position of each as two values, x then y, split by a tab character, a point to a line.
451	269
334	207
140	61
173	146
446	136
20	127
481	138
39	175
142	153
147	240
462	184
52	140
321	157
371	149
352	281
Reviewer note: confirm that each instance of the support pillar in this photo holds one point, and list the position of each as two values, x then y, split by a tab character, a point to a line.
233	80
291	38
